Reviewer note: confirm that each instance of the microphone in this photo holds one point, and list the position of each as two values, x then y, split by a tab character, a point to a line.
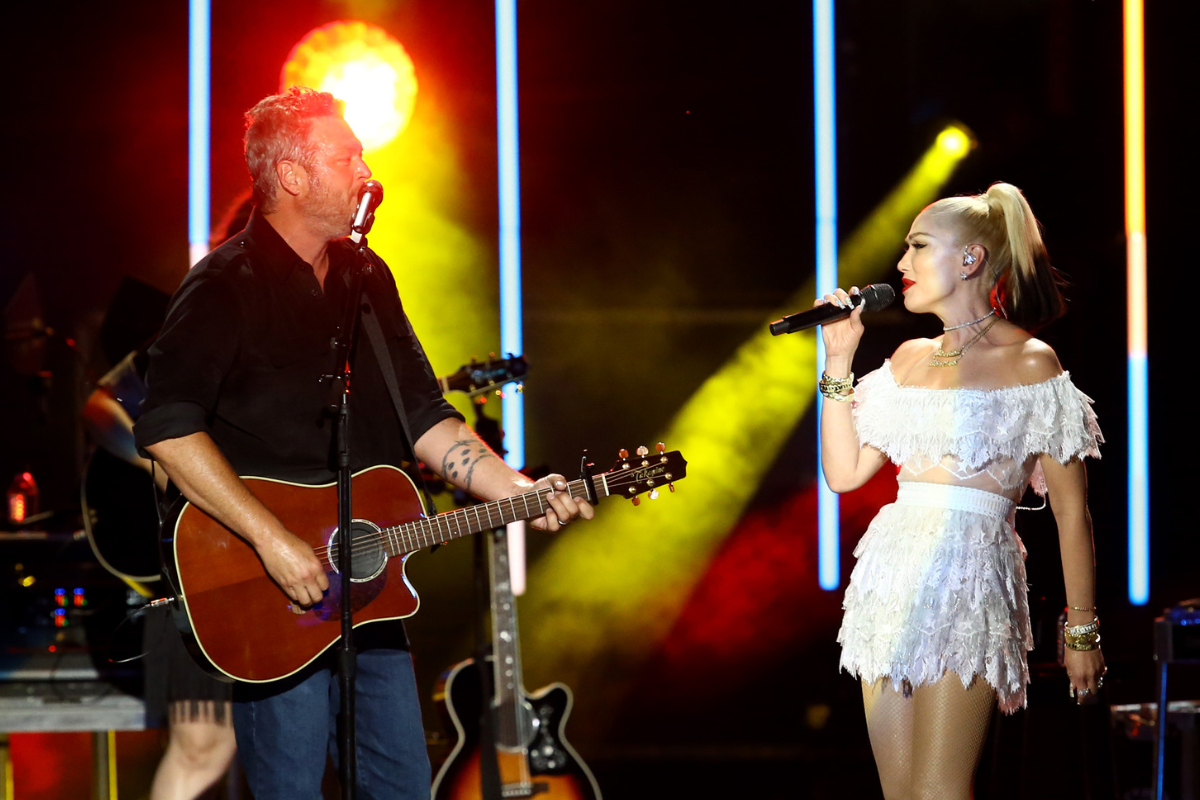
875	296
370	197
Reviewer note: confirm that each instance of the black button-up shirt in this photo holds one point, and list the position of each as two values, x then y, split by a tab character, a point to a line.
241	354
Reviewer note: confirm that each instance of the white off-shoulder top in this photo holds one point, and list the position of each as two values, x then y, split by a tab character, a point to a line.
986	439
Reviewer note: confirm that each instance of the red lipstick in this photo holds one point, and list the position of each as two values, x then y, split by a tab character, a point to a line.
907	283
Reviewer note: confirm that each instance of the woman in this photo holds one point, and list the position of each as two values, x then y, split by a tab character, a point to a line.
937	620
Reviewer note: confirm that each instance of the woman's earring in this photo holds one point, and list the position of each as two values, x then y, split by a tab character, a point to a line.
968	258
962	276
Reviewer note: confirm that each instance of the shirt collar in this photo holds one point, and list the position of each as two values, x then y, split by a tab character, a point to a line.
270	249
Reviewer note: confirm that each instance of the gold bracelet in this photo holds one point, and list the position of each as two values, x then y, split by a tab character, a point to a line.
1083	643
839	383
841	398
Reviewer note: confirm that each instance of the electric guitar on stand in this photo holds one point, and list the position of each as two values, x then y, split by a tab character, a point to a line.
532	755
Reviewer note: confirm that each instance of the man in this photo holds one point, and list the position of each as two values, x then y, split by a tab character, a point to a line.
235	389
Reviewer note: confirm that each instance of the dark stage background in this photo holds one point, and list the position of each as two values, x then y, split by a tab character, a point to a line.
667	195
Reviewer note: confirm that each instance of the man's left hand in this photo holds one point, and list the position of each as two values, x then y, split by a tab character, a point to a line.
563	507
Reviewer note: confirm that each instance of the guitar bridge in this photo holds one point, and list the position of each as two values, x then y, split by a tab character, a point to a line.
524	789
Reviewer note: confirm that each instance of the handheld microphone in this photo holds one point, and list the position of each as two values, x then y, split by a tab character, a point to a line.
370	197
875	296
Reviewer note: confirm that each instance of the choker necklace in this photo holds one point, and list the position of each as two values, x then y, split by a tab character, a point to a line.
972	322
955	355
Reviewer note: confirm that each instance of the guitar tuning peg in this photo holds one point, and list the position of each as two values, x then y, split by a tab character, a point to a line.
500	393
654	494
520	388
491	356
661	447
671	486
481	400
623	453
642	451
637	501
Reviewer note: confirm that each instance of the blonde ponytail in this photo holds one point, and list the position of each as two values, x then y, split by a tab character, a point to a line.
1025	287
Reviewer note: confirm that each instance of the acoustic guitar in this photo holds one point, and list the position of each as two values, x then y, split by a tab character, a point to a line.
118	498
240	625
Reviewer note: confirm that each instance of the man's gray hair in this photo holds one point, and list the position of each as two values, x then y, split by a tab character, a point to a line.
277	130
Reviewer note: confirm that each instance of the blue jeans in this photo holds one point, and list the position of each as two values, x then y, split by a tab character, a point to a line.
283	734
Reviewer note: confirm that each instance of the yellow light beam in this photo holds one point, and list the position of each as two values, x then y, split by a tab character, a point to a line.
606	593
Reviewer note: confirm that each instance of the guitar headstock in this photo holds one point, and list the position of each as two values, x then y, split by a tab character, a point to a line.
644	472
476	378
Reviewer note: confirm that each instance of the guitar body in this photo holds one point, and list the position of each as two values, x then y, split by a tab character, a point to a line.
242	626
119	517
554	768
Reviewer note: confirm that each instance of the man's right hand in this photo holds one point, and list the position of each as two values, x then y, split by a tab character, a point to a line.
293	565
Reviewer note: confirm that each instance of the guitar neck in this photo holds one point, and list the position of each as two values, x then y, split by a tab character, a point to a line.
443	528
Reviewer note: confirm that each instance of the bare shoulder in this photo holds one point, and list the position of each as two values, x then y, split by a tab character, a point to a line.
911	353
1037	362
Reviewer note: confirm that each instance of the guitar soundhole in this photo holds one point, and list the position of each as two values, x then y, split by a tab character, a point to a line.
369	558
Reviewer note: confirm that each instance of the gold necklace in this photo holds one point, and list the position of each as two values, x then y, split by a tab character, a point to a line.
955	355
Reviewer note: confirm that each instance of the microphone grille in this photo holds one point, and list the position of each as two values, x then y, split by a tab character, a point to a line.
878	296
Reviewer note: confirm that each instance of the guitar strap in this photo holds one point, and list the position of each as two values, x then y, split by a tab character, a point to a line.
370	321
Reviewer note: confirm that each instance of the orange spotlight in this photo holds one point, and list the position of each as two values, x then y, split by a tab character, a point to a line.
364	66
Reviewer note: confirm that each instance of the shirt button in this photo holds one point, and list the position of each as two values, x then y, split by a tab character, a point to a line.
316	292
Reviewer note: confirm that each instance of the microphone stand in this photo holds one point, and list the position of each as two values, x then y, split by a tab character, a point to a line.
340	407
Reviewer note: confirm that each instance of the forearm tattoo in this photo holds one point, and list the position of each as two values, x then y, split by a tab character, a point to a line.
459	463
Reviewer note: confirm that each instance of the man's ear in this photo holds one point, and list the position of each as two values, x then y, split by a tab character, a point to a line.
292	177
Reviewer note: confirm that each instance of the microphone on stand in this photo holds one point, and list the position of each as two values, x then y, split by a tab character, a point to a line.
370	197
875	296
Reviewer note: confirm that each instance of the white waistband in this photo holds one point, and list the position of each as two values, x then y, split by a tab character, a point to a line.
955	498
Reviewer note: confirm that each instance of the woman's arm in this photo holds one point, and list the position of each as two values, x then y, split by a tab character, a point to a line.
1067	485
846	464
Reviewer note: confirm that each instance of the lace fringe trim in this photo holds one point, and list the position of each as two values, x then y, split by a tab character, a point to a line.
976	426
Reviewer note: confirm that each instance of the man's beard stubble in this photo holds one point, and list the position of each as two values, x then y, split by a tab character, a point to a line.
326	213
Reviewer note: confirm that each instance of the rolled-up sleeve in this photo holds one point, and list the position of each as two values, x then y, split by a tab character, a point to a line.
190	359
424	402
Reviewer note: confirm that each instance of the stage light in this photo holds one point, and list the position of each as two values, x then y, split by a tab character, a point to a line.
954	141
1136	308
199	124
614	587
362	65
511	334
825	141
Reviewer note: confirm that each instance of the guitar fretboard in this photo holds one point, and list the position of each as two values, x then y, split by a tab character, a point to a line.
413	536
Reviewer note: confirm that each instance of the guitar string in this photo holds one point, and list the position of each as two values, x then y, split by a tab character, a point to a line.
434	528
397	533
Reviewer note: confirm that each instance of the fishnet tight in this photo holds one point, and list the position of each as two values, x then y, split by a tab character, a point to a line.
927	746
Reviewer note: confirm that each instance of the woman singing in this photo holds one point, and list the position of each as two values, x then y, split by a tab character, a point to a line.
937	620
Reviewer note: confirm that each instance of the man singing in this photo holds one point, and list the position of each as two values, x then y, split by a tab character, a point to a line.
235	389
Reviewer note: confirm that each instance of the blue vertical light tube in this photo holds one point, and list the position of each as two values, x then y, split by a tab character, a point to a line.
199	124
825	128
511	340
1139	480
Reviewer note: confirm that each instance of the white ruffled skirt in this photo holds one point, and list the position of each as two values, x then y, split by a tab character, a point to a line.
940	587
